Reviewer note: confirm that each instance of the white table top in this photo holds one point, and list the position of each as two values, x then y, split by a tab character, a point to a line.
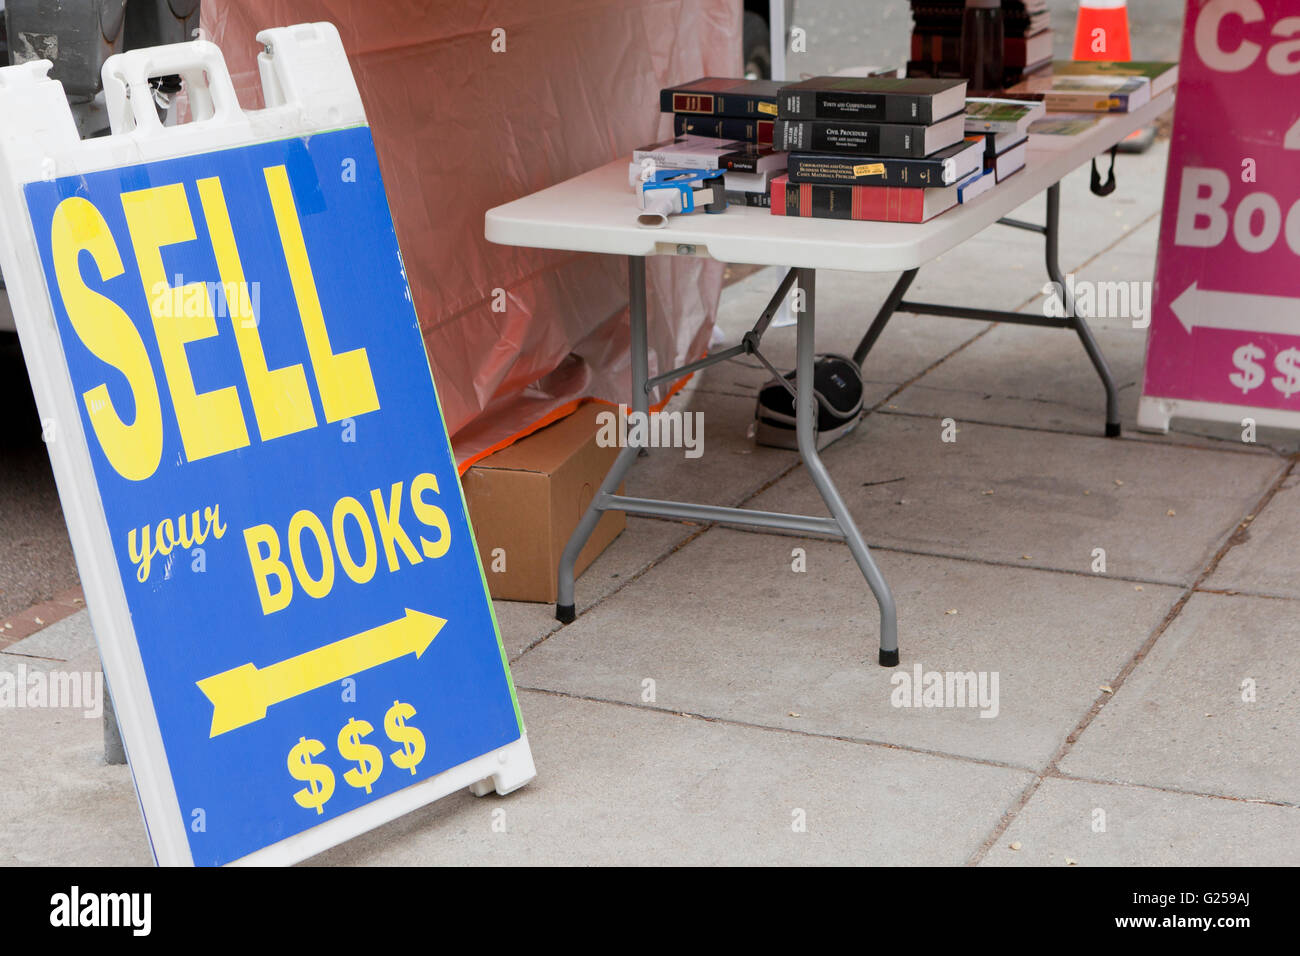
596	212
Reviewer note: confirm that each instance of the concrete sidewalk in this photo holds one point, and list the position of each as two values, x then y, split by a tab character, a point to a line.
714	704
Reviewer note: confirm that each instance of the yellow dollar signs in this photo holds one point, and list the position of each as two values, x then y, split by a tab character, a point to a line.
368	758
370	762
319	778
410	738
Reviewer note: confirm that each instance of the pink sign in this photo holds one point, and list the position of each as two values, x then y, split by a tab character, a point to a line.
1224	342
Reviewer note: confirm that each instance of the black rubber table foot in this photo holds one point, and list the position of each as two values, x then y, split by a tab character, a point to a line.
565	613
1112	429
889	658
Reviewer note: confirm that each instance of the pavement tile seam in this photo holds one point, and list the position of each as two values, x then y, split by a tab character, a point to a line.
1178	791
769	728
555	626
10	652
1115	685
1237	592
1222	445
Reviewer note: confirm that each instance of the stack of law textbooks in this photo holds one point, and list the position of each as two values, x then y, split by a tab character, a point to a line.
722	123
875	148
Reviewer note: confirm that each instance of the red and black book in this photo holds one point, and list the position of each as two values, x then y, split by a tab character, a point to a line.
871	203
722	96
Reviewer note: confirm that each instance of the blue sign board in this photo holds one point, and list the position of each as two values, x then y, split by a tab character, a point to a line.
277	480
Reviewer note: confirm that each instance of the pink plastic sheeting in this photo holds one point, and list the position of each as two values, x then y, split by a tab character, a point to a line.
460	128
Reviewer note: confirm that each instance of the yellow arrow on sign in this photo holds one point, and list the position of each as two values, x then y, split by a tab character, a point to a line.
241	695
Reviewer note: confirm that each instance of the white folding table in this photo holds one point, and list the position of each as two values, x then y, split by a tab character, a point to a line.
596	212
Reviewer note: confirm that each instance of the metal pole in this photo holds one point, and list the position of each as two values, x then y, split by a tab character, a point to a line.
114	752
884	315
777	23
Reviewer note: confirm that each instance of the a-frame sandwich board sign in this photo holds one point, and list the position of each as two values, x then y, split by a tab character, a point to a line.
1224	341
253	465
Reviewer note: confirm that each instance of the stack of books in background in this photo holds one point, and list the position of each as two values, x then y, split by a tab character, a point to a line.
1027	48
1088	86
874	148
722	123
936	38
1077	94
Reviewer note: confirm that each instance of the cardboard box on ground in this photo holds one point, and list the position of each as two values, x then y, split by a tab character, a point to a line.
525	501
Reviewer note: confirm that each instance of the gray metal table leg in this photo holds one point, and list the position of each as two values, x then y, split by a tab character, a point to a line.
884	315
806	423
1078	323
565	610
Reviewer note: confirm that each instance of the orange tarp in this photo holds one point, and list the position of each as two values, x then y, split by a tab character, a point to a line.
475	104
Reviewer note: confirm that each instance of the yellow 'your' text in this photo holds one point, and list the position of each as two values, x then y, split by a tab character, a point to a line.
185	532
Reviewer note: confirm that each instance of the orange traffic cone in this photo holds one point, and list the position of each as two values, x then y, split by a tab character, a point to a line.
1102	31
